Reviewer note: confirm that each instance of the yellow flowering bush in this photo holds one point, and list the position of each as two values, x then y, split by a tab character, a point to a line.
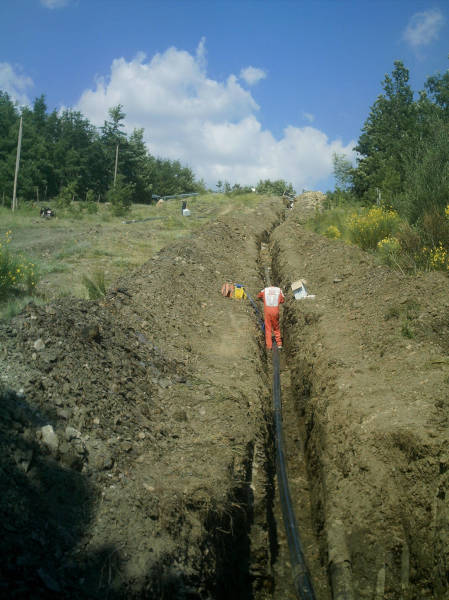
437	258
332	232
389	249
370	227
16	273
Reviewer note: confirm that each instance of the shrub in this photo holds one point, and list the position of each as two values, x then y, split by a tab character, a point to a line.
120	196
434	228
368	228
17	275
95	286
389	249
437	258
332	232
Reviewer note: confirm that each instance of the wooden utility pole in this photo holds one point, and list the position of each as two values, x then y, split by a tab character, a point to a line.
116	163
19	144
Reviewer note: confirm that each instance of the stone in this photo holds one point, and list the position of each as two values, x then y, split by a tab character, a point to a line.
71	433
39	345
64	413
49	438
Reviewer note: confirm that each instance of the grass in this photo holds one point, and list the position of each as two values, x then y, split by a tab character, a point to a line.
68	249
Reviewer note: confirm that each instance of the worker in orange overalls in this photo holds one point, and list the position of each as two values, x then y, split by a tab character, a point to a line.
272	297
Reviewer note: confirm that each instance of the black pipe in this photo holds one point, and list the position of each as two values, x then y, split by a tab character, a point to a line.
301	577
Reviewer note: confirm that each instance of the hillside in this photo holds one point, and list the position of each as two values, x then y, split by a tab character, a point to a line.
136	431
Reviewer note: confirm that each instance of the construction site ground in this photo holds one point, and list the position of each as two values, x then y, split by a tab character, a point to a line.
136	438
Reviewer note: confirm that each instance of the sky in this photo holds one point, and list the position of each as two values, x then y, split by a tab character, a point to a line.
238	90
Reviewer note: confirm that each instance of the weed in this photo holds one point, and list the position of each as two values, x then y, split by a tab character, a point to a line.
95	286
392	313
332	232
407	331
16	273
13	307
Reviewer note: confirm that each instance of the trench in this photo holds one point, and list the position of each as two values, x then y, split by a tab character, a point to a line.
273	573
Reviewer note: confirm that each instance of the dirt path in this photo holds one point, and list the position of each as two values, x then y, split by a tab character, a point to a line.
136	438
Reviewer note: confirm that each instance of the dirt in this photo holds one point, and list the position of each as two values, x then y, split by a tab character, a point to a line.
136	440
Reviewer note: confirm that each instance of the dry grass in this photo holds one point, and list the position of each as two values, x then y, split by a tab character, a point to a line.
68	248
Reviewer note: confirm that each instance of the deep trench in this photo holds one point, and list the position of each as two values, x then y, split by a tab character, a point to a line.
270	568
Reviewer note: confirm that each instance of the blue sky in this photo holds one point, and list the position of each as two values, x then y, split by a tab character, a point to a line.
238	90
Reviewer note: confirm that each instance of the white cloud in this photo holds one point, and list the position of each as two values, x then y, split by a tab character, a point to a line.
252	75
308	117
423	27
207	124
54	3
14	83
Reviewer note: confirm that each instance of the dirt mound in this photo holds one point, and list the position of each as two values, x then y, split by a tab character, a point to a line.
308	203
127	447
369	380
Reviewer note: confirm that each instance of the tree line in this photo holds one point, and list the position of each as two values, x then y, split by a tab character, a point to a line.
64	155
403	150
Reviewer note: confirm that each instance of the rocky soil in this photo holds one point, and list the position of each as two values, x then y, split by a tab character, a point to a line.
136	450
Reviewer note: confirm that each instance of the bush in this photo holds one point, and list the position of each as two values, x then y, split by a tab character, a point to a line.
389	250
17	275
95	286
434	228
370	227
120	196
332	232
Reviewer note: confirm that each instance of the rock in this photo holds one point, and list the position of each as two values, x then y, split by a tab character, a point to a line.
337	279
141	435
49	438
71	433
39	345
164	383
64	413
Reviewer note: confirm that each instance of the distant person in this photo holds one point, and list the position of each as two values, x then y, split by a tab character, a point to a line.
272	296
183	206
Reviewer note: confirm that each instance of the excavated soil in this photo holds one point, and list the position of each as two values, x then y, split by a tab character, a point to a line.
136	450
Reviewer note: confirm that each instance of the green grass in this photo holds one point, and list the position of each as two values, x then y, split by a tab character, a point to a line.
333	217
68	247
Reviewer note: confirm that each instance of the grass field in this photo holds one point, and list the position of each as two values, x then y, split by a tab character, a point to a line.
69	247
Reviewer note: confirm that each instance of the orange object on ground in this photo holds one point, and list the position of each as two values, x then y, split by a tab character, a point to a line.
272	297
227	290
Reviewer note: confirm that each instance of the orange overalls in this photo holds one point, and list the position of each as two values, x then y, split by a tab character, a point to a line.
272	297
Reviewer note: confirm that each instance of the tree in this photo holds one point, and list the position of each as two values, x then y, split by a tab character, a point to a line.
342	171
275	188
120	196
388	130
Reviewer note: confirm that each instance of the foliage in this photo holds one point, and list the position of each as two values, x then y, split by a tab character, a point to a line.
389	250
371	226
120	196
403	154
390	126
332	232
17	275
275	188
342	171
95	285
63	155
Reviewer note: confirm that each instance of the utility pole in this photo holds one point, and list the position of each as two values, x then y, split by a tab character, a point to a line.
19	144
116	163
379	196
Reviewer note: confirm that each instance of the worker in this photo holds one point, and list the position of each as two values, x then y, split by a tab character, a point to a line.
272	297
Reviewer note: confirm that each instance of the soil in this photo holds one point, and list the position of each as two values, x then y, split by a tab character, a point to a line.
136	431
